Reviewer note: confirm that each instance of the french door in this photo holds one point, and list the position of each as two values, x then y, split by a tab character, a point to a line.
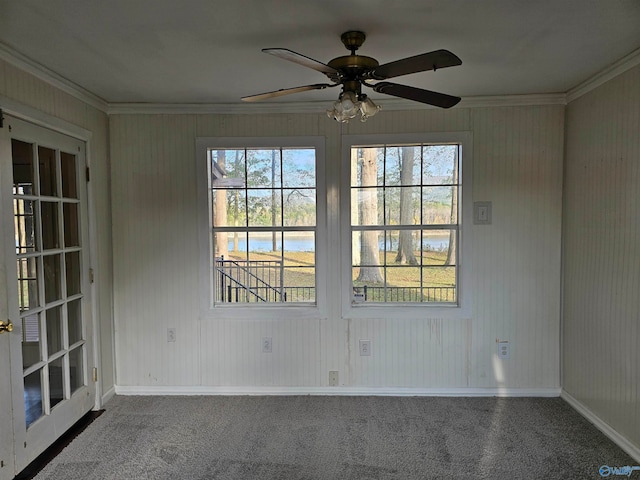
46	342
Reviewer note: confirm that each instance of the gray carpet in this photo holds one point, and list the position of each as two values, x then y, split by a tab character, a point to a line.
381	438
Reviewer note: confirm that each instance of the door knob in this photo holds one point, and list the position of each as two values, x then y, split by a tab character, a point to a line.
6	327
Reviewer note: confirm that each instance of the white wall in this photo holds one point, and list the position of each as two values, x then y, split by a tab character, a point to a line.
516	265
27	90
601	322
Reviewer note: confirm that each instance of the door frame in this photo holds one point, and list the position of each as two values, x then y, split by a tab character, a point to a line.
44	120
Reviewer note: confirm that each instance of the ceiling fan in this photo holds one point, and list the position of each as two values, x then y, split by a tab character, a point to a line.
353	71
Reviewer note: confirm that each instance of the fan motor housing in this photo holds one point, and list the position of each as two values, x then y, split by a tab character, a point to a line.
351	66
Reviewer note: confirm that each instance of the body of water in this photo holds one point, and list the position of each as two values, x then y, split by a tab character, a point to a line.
306	243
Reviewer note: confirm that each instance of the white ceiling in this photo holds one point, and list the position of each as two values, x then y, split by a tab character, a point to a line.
195	51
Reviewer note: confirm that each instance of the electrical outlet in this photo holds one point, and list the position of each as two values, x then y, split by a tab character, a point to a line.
266	345
504	350
171	335
333	378
365	348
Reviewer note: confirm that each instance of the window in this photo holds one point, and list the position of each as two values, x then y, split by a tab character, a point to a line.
263	198
405	220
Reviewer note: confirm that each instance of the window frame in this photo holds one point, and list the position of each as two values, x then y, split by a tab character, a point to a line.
262	310
462	308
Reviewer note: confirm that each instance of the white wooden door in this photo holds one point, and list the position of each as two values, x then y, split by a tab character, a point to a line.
43	212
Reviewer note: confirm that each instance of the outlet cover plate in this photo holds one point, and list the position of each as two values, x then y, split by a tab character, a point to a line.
267	345
504	350
333	378
365	348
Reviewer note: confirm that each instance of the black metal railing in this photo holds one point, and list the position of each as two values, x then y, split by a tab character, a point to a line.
249	281
407	294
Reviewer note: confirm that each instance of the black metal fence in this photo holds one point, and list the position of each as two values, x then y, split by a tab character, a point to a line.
407	294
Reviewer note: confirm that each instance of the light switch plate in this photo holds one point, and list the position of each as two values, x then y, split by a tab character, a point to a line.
482	213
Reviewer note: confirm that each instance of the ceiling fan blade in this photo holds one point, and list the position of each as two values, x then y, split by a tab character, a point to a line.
300	59
286	91
419	63
416	94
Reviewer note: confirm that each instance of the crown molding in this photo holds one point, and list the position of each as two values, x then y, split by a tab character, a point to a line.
41	72
322	106
32	67
609	73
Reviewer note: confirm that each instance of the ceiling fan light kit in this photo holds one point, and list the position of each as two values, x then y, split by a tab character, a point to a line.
353	71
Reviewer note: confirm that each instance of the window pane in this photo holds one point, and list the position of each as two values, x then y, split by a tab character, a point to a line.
403	284
299	284
229	207
70	215
439	284
33	397
367	166
72	260
299	207
56	385
403	247
22	154
439	247
28	283
367	206
263	207
439	205
368	248
402	165
299	245
50	231
402	205
439	164
263	168
52	278
24	223
74	314
265	244
227	168
68	167
53	319
48	178
31	340
76	370
298	168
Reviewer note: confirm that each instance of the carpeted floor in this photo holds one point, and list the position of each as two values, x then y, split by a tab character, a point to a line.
381	438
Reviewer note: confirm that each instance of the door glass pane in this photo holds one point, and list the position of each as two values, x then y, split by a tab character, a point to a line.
68	165
76	371
73	273
50	231
53	318
24	223
47	163
70	214
30	340
74	314
33	397
52	273
22	154
27	283
56	385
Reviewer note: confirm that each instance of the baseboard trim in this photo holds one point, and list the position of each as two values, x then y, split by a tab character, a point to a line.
603	426
108	395
342	391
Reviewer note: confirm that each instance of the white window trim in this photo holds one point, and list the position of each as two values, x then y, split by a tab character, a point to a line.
260	311
407	310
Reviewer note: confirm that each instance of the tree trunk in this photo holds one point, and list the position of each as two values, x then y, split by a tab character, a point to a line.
220	213
405	242
369	250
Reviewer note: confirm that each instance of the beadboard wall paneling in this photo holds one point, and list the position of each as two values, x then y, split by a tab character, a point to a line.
26	89
601	326
517	155
155	249
516	259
